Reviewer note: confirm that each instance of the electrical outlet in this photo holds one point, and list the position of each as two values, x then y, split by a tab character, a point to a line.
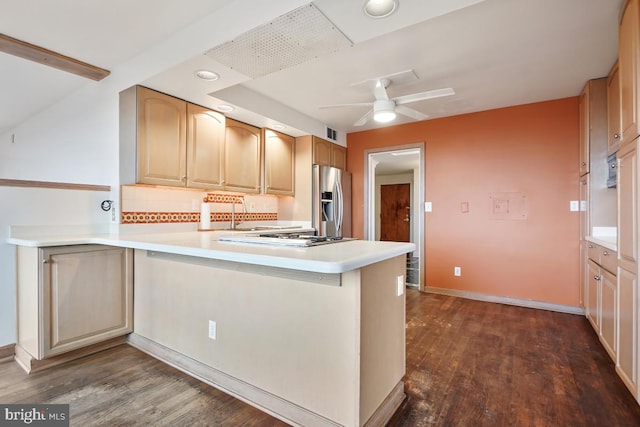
212	329
457	271
400	285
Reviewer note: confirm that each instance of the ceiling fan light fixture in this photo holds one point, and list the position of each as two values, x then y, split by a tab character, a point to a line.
379	8
384	111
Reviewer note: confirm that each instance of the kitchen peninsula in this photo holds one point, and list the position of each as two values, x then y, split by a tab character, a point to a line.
314	336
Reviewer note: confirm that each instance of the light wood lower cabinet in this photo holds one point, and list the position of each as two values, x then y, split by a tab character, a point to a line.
627	324
71	297
602	296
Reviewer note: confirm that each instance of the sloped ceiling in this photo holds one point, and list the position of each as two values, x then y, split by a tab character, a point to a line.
494	53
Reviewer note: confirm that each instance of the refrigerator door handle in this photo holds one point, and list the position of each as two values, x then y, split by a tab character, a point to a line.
338	207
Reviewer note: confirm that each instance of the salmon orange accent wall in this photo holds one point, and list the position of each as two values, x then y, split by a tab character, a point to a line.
529	149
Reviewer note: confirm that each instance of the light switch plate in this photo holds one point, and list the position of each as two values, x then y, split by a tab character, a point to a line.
428	207
574	205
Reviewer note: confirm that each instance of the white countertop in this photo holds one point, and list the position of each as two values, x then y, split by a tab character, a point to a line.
331	258
604	236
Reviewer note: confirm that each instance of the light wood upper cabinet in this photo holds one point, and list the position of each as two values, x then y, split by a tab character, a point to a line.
628	56
179	144
584	131
279	163
321	152
613	110
338	156
242	157
161	138
205	147
593	124
329	154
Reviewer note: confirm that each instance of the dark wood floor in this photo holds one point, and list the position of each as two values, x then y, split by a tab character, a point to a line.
469	363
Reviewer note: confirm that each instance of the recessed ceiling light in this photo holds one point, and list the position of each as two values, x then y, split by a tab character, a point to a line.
207	75
223	108
278	126
380	8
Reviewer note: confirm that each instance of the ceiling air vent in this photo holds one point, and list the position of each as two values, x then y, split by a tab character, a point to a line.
296	37
332	134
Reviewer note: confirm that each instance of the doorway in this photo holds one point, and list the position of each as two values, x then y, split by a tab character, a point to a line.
394	193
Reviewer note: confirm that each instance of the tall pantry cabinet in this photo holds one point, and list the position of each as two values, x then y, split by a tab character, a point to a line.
628	187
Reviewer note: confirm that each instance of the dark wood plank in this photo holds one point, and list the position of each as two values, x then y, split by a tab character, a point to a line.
123	387
472	363
469	363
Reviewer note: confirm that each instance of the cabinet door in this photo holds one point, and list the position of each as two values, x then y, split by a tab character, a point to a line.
242	154
593	291
87	296
627	354
613	110
584	131
161	138
205	147
338	156
628	69
279	159
321	152
627	187
608	312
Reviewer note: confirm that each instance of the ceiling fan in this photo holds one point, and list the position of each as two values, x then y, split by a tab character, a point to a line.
384	109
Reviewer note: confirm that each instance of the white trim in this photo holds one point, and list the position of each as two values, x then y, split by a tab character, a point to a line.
506	300
418	219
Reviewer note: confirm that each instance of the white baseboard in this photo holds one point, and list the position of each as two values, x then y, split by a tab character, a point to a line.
254	396
506	300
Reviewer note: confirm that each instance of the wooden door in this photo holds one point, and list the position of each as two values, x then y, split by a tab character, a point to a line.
395	212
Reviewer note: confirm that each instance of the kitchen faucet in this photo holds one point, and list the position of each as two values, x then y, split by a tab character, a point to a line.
233	212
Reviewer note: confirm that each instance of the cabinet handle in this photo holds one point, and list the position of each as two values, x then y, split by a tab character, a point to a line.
616	136
596	277
613	165
45	261
590	246
605	253
584	164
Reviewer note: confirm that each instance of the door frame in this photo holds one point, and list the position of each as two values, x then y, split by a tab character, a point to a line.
417	217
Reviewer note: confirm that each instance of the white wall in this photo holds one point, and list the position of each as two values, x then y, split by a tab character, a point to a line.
76	140
29	206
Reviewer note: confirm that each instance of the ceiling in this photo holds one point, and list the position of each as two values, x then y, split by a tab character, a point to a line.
493	53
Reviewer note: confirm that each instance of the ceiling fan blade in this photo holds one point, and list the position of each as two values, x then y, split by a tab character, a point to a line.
356	104
380	89
421	96
410	112
364	119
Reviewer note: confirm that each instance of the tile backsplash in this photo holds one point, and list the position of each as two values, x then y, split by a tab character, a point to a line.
152	205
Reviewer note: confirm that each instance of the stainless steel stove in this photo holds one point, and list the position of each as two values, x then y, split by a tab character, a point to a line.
283	239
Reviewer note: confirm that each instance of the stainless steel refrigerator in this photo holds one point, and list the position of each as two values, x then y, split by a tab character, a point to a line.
331	201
